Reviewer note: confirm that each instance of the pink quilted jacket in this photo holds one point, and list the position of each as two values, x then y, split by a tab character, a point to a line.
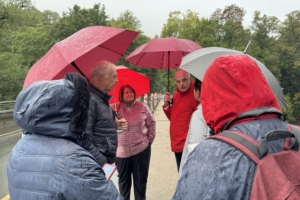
141	128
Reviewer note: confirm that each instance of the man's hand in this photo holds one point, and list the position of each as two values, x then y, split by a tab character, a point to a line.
167	99
121	124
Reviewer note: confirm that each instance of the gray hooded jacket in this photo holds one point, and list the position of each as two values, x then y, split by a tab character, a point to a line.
48	163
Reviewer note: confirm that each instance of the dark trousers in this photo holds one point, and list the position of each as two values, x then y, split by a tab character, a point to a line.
138	166
178	156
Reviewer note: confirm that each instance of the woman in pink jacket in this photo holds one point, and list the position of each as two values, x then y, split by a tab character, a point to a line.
134	144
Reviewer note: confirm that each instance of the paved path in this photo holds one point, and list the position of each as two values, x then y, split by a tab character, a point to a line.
163	174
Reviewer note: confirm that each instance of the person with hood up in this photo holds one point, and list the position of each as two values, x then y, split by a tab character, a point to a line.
231	85
48	162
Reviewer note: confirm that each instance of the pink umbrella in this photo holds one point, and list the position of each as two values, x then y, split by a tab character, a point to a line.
139	82
162	53
79	52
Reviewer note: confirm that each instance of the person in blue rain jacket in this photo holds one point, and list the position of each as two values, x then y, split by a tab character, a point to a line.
48	162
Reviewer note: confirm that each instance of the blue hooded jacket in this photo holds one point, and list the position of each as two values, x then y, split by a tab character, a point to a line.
48	163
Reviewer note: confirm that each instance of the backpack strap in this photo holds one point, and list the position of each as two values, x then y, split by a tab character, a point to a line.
250	147
243	142
295	130
253	113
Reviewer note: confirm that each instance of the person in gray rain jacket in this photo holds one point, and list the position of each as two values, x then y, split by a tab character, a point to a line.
231	85
48	162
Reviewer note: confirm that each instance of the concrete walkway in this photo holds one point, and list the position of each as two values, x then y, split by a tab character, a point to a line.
163	174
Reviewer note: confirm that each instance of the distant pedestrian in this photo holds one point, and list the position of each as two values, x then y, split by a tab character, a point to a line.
134	144
48	162
179	110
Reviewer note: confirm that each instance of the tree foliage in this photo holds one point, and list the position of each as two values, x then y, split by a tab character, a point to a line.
78	18
265	32
288	51
26	34
14	14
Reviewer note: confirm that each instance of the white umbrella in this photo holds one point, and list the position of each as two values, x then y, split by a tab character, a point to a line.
198	61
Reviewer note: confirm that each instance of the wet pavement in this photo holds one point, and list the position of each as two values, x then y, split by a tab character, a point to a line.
8	125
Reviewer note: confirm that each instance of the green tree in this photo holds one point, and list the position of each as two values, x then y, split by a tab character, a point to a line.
126	20
207	33
78	18
24	38
190	26
296	105
12	76
230	30
173	25
14	14
32	43
288	50
289	112
265	32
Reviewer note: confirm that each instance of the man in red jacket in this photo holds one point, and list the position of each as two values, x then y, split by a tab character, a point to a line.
179	111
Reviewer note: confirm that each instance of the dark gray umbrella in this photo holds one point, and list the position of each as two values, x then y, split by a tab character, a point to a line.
198	61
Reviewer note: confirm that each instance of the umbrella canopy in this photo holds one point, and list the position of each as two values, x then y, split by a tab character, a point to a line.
139	82
162	53
80	51
198	61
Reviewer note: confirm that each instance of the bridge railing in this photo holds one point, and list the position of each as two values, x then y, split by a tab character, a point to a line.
6	107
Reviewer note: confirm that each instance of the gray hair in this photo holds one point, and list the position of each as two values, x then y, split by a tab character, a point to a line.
101	69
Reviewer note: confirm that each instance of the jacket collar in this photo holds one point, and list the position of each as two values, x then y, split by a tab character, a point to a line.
103	95
130	104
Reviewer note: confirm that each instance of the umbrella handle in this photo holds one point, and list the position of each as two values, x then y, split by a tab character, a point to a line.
170	102
115	114
118	116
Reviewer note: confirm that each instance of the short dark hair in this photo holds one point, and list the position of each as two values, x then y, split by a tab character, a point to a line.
121	92
197	84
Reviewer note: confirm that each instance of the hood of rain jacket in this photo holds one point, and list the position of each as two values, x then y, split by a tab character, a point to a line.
226	83
45	108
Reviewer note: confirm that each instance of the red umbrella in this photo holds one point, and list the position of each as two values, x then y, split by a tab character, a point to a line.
79	52
139	82
162	53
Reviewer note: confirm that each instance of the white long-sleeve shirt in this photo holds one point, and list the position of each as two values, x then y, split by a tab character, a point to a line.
198	131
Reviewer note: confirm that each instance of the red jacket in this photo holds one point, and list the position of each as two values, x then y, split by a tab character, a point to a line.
179	114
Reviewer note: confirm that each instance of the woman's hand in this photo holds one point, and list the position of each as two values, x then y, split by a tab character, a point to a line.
121	124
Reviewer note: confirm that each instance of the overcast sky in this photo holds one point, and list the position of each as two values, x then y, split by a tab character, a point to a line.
154	13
